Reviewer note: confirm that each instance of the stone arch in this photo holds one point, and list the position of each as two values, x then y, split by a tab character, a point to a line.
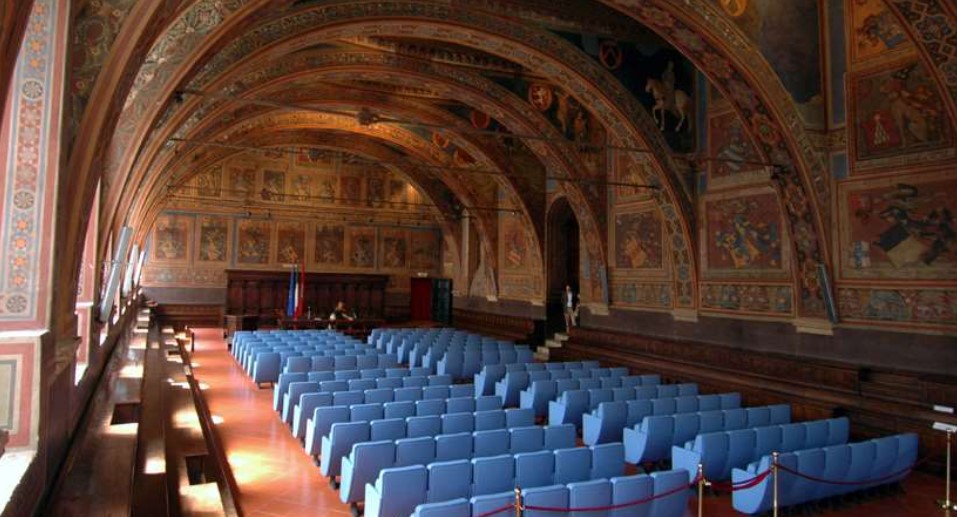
622	119
735	67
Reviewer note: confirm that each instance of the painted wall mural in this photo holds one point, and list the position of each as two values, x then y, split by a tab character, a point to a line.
772	300
253	242
362	247
213	243
171	238
426	250
874	30
900	227
393	248
794	54
330	245
291	239
743	234
897	112
914	308
656	74
638	240
208	182
324	243
730	145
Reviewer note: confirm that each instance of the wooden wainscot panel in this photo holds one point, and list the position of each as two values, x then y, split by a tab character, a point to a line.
515	328
878	401
265	293
179	315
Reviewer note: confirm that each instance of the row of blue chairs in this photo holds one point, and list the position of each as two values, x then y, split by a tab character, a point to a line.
464	364
367	459
398	491
511	386
285	379
611	419
653	438
429	422
486	378
720	452
246	353
617	491
266	366
354	391
541	391
845	467
572	405
343	435
396	403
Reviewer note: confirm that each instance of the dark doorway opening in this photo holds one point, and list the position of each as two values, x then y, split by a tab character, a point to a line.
562	260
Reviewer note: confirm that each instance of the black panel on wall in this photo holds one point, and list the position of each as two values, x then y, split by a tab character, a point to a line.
442	300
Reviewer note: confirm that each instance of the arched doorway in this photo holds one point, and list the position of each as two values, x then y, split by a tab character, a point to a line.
562	260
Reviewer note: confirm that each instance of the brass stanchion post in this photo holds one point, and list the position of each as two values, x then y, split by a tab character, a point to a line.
774	475
518	502
946	504
700	490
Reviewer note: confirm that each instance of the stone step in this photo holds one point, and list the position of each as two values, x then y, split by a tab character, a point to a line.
551	343
541	357
559	336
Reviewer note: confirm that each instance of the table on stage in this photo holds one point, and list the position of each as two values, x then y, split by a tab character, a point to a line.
359	327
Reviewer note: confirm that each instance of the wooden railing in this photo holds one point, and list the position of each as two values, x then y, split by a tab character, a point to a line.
878	401
515	328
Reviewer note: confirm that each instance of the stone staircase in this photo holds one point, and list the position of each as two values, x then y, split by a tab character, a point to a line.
556	341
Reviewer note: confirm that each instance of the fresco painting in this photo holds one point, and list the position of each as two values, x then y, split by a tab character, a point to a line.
208	182
253	242
213	239
376	190
301	187
762	299
171	238
326	187
744	233
729	144
394	248
362	247
655	73
274	185
397	195
514	243
638	240
330	244
898	111
632	171
795	55
638	294
350	190
899	305
291	238
242	182
874	30
426	250
903	228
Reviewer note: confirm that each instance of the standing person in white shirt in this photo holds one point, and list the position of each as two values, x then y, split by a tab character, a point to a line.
568	304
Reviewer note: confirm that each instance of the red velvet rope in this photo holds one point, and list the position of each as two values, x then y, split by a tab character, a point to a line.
849	483
741	485
615	506
497	511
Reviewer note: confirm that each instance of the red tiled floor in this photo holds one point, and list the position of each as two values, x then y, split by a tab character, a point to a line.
276	478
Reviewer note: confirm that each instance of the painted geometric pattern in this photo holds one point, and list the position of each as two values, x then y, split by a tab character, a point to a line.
752	298
920	307
27	165
930	22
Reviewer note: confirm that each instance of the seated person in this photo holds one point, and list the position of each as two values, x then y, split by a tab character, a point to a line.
340	313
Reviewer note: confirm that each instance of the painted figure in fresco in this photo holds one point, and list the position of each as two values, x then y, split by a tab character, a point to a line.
746	241
170	242
288	251
242	182
329	243
920	227
515	247
273	186
300	187
393	253
252	247
914	110
363	251
634	252
213	245
880	30
669	99
327	188
207	184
